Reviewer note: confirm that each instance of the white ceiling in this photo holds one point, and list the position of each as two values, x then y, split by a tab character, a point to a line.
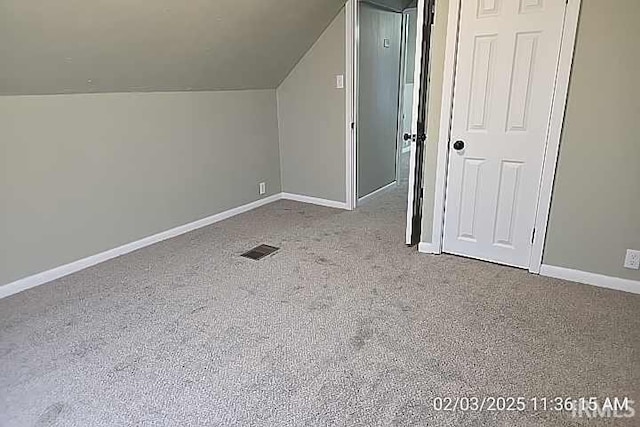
80	46
397	5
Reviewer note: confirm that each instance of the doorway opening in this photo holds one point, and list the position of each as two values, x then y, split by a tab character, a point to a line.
386	43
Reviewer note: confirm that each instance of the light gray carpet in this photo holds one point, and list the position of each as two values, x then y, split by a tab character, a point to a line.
344	326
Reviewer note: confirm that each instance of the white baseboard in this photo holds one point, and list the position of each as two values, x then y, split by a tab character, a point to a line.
73	267
600	280
378	191
427	248
314	200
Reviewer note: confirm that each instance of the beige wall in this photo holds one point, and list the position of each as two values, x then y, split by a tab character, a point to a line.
311	119
81	174
595	212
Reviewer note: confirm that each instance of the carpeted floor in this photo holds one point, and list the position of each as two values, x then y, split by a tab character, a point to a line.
344	326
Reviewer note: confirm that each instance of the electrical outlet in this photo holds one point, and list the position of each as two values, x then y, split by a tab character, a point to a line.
340	81
632	260
263	188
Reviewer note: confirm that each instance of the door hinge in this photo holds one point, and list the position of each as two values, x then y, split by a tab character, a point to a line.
353	125
533	236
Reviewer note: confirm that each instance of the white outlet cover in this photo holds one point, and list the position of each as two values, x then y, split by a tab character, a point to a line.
387	43
339	81
263	188
632	260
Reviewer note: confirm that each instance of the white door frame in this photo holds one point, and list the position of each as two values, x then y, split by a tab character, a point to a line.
556	120
351	99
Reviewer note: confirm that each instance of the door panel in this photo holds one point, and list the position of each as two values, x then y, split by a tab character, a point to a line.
507	59
425	10
471	173
481	81
508	189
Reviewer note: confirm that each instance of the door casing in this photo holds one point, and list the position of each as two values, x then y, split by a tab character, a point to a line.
563	73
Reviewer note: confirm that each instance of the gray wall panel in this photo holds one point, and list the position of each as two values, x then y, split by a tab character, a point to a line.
81	174
379	79
312	115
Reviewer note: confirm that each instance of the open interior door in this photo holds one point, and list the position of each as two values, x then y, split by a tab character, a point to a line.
418	134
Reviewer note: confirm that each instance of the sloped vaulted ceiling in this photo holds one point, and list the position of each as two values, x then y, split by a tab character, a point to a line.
83	46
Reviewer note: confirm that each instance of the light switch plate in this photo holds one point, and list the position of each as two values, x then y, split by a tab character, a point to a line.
339	81
387	43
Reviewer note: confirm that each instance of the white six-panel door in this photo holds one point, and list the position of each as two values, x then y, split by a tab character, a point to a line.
506	68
